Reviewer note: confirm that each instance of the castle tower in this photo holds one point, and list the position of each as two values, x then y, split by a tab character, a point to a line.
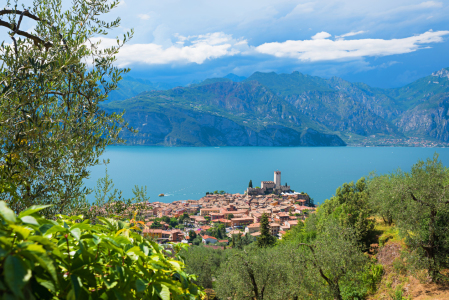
277	179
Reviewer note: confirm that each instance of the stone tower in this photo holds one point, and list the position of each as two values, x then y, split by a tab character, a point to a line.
277	179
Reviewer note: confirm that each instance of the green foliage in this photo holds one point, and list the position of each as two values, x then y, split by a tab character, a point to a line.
333	258
230	216
259	273
382	190
52	83
250	185
173	222
192	235
421	212
239	241
156	224
204	262
72	259
350	206
218	231
109	201
298	234
184	218
265	239
197	240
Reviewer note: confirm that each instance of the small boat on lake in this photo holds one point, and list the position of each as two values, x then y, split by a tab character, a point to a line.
161	195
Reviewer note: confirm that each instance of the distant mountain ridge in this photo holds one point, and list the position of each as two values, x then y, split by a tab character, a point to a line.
269	109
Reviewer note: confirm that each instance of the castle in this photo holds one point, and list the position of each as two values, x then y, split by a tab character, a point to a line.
270	187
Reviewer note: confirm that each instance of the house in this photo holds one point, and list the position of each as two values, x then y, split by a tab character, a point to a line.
216	216
224	221
251	228
209	239
274	229
208	211
291	223
176	236
281	217
237	222
157	234
198	219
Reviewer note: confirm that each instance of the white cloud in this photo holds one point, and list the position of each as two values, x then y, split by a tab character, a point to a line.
352	33
321	36
431	4
143	16
328	50
200	49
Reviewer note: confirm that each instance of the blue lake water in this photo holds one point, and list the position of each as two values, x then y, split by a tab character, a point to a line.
188	173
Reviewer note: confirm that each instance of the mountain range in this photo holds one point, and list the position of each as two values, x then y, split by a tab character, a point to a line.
269	109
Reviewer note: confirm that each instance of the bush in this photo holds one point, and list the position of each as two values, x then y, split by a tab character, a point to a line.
72	259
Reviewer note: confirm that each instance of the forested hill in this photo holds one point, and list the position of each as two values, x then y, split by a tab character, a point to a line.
269	109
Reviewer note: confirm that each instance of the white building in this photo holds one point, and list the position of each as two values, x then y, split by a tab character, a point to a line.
270	187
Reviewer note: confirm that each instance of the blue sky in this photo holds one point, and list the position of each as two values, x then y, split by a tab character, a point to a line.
382	43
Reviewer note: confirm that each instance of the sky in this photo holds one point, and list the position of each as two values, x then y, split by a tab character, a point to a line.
382	43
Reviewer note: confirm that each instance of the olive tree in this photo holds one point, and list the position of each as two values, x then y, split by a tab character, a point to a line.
383	196
333	257
254	273
52	82
423	216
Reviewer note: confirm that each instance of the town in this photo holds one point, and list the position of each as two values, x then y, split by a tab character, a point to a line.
216	218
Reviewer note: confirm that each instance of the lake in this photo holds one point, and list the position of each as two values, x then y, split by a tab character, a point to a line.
183	173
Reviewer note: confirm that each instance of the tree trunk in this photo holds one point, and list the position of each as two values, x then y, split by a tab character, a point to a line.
336	291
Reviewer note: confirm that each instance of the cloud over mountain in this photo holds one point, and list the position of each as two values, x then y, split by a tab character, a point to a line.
191	49
320	48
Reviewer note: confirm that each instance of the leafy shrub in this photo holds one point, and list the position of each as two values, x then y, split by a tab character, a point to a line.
72	259
372	276
383	239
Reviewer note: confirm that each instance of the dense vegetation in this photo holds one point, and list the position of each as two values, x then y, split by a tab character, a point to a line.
70	258
53	243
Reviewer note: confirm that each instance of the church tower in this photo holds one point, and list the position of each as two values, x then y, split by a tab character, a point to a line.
277	179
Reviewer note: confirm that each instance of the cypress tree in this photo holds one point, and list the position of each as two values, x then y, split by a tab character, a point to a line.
250	185
265	239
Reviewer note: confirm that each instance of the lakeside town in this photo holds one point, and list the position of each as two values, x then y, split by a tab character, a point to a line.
373	141
216	218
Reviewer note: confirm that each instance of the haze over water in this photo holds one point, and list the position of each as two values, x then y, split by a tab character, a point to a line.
188	173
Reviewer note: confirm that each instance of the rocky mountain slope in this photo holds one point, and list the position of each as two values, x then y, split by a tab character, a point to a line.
269	109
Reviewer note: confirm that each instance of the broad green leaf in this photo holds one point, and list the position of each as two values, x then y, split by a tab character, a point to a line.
6	213
23	232
29	220
76	233
84	226
76	285
47	263
36	248
42	240
16	273
175	264
163	291
33	209
141	285
56	228
47	284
